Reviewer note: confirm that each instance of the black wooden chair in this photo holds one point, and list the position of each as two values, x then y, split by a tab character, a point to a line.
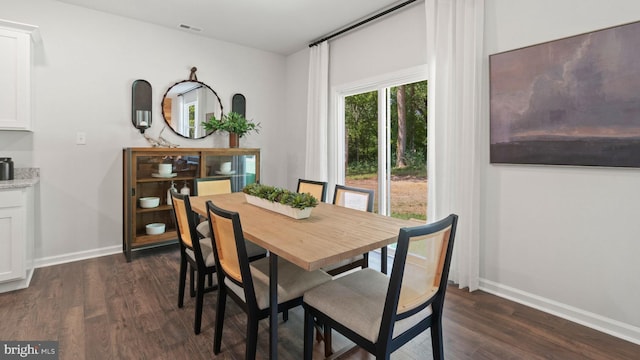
215	186
358	199
248	283
210	186
195	252
381	313
316	188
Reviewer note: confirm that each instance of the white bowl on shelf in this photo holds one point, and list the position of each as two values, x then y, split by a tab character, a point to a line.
155	228
149	202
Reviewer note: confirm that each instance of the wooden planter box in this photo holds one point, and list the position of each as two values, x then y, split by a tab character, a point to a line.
279	208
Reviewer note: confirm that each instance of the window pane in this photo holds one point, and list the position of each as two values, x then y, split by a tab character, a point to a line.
361	142
409	151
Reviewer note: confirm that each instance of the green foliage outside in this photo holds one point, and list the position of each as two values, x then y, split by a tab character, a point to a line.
408	216
361	142
192	120
361	119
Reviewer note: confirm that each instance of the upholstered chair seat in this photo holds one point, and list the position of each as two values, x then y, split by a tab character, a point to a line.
358	302
207	252
293	281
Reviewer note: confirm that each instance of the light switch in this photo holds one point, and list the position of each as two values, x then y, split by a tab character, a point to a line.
81	138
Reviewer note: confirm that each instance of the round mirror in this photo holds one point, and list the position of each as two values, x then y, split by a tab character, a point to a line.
187	104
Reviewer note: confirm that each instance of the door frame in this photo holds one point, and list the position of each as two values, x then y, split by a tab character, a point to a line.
337	122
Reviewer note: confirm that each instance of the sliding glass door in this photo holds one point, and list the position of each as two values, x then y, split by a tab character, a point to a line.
385	147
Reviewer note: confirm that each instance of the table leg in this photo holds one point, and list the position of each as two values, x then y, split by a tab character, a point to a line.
273	306
383	260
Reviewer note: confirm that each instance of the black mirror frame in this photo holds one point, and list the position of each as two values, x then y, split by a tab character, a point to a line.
165	96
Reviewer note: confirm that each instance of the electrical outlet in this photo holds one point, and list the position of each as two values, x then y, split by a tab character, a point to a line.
81	138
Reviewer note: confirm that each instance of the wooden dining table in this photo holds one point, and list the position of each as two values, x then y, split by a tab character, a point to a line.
331	234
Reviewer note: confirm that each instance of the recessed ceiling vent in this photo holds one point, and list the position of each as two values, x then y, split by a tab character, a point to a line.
189	27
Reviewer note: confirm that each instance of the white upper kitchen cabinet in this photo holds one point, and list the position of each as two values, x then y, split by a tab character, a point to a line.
15	75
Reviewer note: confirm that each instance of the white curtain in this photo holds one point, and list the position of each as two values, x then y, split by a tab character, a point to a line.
454	57
316	163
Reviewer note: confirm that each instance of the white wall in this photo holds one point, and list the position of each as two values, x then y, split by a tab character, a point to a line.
296	116
83	73
389	45
386	46
564	239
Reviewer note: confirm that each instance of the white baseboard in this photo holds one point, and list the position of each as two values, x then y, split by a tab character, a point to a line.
17	284
609	326
80	255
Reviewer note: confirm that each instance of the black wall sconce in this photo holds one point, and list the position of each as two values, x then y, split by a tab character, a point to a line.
141	105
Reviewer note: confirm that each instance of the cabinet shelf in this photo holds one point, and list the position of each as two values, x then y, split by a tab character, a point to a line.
155	209
189	163
143	240
176	178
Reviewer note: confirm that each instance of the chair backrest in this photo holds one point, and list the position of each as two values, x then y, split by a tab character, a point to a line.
418	281
212	186
185	222
230	250
316	188
353	198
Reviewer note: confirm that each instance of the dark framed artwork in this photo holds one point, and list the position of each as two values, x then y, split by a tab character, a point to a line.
573	101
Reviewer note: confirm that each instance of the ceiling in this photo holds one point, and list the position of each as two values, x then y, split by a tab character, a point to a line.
279	26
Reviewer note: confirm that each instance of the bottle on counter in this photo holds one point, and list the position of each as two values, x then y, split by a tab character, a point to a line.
185	189
6	168
173	187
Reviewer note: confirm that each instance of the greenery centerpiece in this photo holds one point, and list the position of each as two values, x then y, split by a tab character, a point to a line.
234	123
292	204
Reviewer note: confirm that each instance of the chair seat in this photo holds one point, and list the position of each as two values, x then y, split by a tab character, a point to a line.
293	281
207	252
203	229
357	301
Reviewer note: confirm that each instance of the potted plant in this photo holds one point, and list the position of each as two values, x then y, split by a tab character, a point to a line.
292	204
234	123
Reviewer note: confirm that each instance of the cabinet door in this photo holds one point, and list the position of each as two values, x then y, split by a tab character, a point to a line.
12	235
185	166
15	80
241	168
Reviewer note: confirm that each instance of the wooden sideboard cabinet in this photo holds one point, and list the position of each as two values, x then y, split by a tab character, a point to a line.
142	179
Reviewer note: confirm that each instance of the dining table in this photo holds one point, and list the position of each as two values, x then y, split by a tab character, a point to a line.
329	235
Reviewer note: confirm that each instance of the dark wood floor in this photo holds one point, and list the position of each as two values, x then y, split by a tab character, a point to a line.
106	308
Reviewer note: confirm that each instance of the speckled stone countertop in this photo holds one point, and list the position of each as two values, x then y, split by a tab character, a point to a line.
23	177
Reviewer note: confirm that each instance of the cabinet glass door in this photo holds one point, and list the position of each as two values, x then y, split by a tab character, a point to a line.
154	176
240	168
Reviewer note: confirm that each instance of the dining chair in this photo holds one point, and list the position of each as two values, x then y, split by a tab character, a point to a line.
247	283
210	186
381	313
358	199
316	188
195	252
354	198
215	186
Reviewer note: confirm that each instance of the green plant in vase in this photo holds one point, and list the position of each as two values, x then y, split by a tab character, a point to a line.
234	123
282	196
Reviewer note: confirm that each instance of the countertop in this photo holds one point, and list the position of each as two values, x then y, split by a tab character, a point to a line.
23	177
